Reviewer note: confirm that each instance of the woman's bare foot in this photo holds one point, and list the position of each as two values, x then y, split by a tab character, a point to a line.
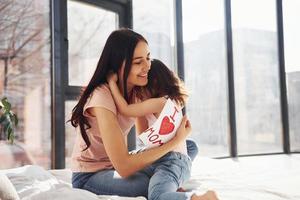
209	195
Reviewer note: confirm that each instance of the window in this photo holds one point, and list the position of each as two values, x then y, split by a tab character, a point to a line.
155	21
70	133
88	29
256	76
206	74
25	80
292	67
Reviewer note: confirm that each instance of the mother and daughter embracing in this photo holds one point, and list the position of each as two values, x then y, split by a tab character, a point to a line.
128	88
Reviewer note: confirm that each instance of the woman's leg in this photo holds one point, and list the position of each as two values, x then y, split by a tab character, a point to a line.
192	148
80	178
109	182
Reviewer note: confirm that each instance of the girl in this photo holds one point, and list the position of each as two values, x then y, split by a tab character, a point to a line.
100	160
170	171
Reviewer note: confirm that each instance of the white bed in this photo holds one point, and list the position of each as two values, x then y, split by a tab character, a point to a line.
275	177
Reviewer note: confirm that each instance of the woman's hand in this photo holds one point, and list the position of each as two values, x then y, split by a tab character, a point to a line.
184	129
112	77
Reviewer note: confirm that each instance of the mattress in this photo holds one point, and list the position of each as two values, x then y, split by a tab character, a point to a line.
273	177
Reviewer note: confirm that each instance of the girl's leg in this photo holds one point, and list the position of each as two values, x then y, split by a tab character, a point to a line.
163	186
170	172
109	182
192	148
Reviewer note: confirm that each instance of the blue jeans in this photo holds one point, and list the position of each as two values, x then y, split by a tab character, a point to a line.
192	148
108	182
157	181
169	173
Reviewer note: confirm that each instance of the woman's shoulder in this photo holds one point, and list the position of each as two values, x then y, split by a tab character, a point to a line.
101	97
104	88
102	91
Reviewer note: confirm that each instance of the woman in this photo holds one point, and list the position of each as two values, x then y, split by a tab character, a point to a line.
101	162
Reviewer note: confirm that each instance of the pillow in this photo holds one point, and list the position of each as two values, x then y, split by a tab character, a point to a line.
7	190
29	180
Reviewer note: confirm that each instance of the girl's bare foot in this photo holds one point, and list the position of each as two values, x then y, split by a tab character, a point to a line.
181	190
209	195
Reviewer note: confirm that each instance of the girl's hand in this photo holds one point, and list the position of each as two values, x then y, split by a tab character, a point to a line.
112	77
184	129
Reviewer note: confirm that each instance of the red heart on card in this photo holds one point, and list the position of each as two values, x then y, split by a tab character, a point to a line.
166	126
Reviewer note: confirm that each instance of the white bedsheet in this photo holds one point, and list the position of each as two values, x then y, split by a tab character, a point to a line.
35	183
274	177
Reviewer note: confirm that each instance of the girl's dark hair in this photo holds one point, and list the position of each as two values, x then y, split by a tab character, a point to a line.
163	82
118	48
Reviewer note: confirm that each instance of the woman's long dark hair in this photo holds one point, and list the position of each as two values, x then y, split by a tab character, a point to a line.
163	82
118	48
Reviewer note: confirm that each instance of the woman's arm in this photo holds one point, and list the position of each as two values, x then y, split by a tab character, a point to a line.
116	149
152	105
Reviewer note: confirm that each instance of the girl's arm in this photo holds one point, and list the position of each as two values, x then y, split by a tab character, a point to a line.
127	164
152	105
141	124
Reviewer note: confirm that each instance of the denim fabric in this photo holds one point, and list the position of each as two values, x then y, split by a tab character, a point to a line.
109	182
157	181
192	148
80	178
169	173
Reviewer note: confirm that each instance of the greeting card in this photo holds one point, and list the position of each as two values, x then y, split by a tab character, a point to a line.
165	126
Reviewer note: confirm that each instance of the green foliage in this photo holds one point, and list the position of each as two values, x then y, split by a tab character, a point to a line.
8	120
